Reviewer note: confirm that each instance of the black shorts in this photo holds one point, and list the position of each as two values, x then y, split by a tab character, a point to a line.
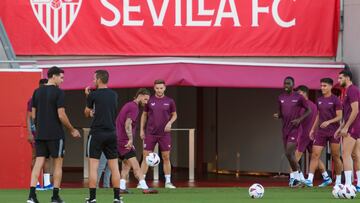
47	148
127	156
98	143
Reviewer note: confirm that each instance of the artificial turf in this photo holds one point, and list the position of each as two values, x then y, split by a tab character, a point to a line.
185	195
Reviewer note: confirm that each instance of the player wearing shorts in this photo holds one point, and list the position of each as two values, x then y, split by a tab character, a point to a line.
159	115
290	112
304	140
102	106
31	139
48	112
350	130
125	130
323	131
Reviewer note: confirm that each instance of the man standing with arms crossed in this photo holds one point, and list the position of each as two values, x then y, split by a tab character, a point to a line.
158	116
48	112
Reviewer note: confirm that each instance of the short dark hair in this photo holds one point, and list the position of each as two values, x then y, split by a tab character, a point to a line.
290	78
103	75
346	73
54	71
303	88
327	81
43	81
142	91
159	81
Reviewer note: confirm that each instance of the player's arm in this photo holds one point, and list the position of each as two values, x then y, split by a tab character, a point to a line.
88	111
28	126
314	127
128	130
171	121
143	120
65	121
278	115
334	120
353	115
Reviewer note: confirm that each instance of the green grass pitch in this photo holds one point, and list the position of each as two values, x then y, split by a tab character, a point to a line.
185	195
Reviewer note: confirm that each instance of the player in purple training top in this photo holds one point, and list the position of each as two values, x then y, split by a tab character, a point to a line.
290	112
159	115
125	130
31	139
304	141
323	131
350	130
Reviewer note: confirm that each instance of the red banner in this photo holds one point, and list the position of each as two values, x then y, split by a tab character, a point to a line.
172	27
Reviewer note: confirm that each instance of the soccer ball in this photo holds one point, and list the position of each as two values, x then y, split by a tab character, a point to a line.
152	159
256	191
348	192
336	191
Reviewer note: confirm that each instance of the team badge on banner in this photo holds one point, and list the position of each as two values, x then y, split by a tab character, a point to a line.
56	16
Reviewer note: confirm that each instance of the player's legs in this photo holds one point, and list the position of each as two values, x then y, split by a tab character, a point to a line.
314	163
348	147
149	145
298	155
290	155
46	169
144	166
134	164
125	169
111	154
356	159
57	149
93	168
338	166
165	148
35	173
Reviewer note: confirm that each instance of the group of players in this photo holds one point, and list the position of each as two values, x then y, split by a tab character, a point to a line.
110	133
309	126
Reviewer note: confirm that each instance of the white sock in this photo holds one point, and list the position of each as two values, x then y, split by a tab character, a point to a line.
338	180
325	175
292	175
297	175
38	183
143	184
311	177
47	179
302	178
348	177
358	178
167	178
144	177
122	184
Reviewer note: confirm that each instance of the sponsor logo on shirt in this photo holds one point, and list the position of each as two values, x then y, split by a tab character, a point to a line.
320	102
152	104
294	100
166	104
331	103
282	101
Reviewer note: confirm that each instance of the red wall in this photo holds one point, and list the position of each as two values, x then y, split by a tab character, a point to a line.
15	152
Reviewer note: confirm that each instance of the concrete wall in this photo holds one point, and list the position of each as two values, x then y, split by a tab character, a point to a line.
351	36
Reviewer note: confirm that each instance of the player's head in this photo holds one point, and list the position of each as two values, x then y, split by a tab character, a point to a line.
159	87
101	77
345	77
43	82
289	84
303	90
326	85
143	96
56	75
